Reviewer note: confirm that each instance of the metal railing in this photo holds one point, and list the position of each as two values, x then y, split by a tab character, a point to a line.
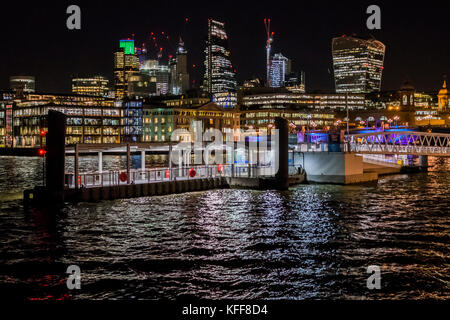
139	176
402	142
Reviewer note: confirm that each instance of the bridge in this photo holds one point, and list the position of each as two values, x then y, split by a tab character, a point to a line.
399	142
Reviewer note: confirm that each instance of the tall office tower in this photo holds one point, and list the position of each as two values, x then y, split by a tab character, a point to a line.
162	80
159	77
23	83
358	64
94	86
141	53
279	67
173	85
295	81
179	76
219	73
126	63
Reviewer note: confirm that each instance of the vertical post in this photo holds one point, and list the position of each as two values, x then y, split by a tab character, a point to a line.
100	162
170	161
346	107
257	151
423	162
55	157
76	165
233	150
143	160
128	163
43	171
282	175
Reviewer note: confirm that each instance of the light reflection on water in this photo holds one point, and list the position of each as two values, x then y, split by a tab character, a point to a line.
313	241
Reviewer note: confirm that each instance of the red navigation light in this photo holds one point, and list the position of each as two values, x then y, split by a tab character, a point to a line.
42	152
43	133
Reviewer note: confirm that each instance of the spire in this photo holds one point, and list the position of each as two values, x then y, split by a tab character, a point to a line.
444	85
181	46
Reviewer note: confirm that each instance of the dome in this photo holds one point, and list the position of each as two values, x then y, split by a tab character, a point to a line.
407	86
444	90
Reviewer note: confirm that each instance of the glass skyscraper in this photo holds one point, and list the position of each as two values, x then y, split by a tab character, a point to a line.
219	72
126	63
279	67
358	64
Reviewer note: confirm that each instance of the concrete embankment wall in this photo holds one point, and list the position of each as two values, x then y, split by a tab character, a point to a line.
336	168
143	190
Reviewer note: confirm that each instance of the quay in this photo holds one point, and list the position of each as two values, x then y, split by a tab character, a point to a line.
359	158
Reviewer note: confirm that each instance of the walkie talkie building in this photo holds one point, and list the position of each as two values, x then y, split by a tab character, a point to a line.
358	64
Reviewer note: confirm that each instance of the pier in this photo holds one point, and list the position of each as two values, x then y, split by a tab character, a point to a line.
359	159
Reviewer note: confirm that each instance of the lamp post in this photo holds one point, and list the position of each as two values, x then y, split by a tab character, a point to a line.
42	153
396	118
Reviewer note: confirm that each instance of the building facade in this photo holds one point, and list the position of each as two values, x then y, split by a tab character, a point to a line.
126	64
179	80
357	64
285	99
219	73
90	119
94	86
195	115
279	68
23	83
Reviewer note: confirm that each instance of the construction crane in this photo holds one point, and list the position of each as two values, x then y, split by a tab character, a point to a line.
268	46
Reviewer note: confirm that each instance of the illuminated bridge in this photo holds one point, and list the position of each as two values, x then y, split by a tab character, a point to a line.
399	142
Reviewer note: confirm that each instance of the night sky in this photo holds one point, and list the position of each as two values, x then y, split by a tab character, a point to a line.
35	40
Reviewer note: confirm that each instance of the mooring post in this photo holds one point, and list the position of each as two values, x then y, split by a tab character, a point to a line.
170	161
55	157
282	175
100	162
128	163
143	160
76	166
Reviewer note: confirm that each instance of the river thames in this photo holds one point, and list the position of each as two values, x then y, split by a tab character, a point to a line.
310	242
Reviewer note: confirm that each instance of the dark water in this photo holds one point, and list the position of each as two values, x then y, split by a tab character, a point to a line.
311	242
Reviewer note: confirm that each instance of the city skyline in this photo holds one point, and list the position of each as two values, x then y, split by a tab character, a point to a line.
227	159
307	43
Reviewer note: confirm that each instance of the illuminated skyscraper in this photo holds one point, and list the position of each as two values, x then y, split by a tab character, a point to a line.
94	86
179	76
358	64
219	72
24	83
279	67
126	63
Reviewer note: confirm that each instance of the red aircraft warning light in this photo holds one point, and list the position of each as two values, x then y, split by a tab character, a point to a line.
43	132
42	152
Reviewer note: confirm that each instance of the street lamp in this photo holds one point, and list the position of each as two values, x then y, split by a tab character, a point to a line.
396	118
